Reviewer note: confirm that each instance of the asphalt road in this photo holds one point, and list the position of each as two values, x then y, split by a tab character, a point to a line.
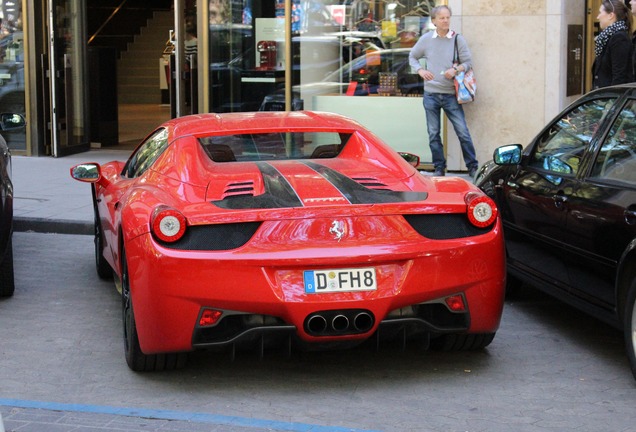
550	368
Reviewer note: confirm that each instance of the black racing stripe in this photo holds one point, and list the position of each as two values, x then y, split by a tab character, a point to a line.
358	194
278	193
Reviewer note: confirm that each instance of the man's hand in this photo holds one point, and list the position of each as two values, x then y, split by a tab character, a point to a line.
426	75
450	73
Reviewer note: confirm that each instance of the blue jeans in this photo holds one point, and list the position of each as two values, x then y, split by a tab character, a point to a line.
433	105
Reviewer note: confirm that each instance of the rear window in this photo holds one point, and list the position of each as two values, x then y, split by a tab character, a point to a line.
274	146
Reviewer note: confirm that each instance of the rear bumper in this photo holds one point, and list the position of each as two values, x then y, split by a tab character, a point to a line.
245	329
171	288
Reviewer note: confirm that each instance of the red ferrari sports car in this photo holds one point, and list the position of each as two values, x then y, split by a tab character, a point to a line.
293	228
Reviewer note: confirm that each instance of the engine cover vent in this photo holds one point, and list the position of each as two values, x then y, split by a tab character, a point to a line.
238	189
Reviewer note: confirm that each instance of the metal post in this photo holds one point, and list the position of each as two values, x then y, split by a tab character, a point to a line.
179	33
203	55
288	56
53	79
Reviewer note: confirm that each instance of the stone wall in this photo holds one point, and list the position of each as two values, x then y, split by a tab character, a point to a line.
519	51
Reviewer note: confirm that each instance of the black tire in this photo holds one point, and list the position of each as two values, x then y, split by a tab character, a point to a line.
104	270
462	342
135	358
630	327
514	287
7	283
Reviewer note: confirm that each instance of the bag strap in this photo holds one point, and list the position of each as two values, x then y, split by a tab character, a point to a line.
456	53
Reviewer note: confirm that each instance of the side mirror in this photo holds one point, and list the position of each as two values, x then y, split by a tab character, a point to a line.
87	172
11	121
508	155
412	159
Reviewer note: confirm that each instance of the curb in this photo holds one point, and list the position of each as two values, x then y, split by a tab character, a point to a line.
52	226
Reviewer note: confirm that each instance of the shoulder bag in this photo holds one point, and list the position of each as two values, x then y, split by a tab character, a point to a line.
465	82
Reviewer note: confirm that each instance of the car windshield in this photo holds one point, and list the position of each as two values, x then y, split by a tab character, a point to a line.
274	146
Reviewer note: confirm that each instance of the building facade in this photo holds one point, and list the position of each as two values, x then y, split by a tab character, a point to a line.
531	60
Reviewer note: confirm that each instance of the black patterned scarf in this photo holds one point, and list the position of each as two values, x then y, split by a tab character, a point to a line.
601	39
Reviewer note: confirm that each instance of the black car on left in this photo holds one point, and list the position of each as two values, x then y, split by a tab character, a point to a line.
8	122
568	203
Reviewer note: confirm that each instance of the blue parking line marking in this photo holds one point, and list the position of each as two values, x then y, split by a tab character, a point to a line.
177	415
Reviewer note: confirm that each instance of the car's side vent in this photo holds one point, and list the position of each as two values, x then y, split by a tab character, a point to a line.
239	189
371	183
444	226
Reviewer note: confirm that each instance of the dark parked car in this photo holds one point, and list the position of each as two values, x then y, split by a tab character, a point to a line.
568	202
8	122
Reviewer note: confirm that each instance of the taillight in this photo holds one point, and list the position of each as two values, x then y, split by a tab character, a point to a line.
456	303
168	224
210	317
481	210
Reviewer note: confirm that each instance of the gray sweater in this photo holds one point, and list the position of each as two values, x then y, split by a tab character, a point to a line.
438	54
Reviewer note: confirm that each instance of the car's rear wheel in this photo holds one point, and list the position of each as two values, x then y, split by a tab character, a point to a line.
630	327
462	342
7	283
135	358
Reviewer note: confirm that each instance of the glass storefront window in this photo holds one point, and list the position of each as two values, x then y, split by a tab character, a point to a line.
69	83
247	60
375	38
12	95
231	52
339	49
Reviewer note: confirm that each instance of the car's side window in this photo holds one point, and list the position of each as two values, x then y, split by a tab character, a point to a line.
616	159
146	154
560	149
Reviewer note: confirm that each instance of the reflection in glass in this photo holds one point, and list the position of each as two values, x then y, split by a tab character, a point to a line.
11	121
562	146
247	45
12	96
616	160
274	146
508	155
85	172
70	91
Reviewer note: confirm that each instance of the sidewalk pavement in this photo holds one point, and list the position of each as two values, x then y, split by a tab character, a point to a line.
33	416
47	199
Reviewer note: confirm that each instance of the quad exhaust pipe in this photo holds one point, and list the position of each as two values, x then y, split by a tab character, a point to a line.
339	322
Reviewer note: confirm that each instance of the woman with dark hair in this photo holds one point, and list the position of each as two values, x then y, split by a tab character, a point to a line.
613	63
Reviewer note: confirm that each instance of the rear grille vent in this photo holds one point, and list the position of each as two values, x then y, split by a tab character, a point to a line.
239	189
371	183
217	237
444	226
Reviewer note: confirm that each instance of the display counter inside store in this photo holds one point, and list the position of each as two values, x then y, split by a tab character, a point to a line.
398	120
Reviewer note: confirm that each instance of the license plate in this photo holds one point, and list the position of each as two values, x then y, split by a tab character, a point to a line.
340	280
